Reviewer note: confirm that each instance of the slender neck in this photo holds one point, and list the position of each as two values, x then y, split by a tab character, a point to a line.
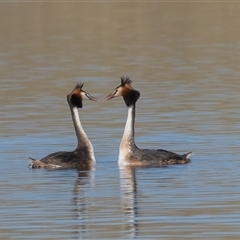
83	141
128	134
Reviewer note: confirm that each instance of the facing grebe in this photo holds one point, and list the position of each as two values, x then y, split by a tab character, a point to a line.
83	155
129	153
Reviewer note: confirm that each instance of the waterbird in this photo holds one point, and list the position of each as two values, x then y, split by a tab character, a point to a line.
129	153
83	155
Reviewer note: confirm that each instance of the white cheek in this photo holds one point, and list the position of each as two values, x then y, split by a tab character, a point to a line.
118	93
83	95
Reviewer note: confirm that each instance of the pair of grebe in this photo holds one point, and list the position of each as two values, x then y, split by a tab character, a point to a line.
129	153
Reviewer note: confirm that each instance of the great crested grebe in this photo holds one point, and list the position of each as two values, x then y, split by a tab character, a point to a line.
129	153
83	155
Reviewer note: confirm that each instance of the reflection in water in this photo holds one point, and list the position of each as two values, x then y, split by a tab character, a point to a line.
84	181
129	200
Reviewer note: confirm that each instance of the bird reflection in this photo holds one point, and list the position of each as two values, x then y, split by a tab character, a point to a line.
129	200
84	182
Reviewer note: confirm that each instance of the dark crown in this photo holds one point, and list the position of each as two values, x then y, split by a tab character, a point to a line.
125	80
79	85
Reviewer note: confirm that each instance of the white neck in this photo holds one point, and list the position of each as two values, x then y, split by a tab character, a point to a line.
127	144
83	141
128	134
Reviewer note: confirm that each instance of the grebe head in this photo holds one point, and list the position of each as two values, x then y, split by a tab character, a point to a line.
129	94
77	95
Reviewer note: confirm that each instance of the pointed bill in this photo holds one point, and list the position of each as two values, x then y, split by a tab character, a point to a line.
110	96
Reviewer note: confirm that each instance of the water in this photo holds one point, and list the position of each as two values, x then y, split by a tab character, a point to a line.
183	58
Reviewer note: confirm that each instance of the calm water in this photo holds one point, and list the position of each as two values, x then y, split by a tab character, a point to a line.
183	58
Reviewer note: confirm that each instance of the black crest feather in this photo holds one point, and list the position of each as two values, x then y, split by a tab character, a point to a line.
79	85
125	80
